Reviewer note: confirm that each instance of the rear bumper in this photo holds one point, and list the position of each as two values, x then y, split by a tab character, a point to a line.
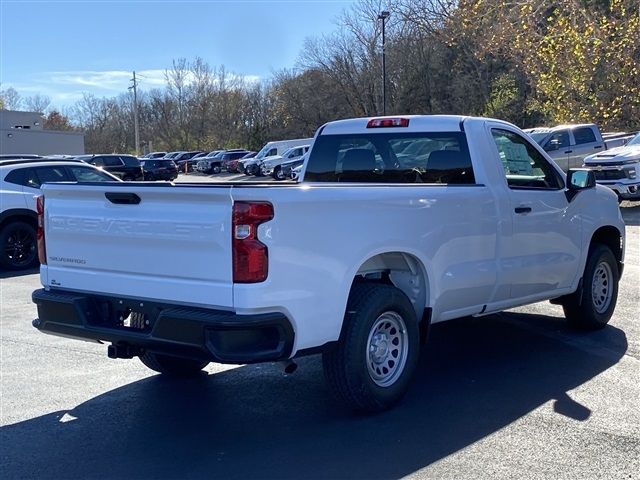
139	325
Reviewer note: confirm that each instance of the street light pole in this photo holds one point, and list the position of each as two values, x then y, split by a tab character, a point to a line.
383	16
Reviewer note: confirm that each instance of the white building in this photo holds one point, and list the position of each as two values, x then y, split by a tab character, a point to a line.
23	132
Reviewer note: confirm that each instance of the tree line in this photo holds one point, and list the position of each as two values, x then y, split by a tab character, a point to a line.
531	62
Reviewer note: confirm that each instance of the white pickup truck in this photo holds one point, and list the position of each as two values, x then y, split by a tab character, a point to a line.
400	222
618	169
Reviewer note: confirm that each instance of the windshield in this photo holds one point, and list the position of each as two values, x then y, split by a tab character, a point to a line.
263	151
539	137
635	140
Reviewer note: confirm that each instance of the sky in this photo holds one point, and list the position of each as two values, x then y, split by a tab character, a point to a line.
64	48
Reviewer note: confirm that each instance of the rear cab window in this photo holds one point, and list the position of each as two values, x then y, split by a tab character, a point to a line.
420	157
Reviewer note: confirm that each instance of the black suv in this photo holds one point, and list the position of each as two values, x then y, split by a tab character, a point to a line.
159	169
126	167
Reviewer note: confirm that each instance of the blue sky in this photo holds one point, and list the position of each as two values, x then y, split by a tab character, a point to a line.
64	48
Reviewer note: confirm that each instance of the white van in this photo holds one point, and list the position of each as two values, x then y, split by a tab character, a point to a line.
252	165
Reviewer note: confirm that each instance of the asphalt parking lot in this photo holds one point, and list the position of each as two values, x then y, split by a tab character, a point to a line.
513	395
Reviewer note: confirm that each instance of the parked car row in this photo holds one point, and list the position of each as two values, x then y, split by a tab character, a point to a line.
219	160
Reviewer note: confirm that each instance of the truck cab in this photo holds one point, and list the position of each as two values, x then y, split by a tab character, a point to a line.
568	145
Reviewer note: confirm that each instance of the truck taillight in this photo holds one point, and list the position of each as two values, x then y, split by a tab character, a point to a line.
387	122
42	251
250	255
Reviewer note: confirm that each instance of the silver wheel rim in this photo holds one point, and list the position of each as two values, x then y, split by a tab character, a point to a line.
387	349
602	287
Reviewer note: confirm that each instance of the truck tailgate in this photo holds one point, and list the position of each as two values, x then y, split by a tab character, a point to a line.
141	241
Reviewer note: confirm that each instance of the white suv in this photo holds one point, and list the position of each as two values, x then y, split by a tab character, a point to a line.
20	182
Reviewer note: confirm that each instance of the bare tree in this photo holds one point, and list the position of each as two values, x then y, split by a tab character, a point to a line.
11	99
37	103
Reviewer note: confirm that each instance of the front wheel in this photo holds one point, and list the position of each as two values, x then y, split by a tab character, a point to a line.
215	169
591	307
371	366
278	174
172	366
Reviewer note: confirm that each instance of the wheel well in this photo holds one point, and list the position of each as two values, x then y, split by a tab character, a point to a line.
19	217
609	236
402	270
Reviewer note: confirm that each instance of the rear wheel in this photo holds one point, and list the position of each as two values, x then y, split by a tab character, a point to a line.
18	249
172	366
371	366
591	307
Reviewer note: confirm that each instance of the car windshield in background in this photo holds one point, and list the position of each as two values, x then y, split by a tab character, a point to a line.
391	158
539	137
635	140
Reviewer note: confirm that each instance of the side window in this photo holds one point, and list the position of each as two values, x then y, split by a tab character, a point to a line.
130	161
273	151
524	166
17	177
112	161
557	140
97	161
584	135
84	174
51	174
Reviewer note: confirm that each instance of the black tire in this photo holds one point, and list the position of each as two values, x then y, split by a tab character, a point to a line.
18	246
172	366
278	174
150	177
591	307
351	364
215	169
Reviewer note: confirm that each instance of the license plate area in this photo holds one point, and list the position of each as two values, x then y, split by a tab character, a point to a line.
123	314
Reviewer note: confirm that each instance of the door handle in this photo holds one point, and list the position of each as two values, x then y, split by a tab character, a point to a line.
597	147
124	198
521	210
569	151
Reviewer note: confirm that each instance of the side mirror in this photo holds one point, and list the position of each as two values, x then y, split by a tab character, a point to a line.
579	179
552	146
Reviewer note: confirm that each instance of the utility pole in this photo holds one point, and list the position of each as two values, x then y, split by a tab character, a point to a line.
135	111
383	16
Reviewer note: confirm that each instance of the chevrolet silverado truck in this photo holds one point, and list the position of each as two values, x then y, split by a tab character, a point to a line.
568	145
618	169
399	223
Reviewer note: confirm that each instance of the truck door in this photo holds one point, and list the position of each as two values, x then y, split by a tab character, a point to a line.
558	146
543	253
584	143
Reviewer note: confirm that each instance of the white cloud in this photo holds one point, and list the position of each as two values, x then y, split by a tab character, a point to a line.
66	88
115	80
